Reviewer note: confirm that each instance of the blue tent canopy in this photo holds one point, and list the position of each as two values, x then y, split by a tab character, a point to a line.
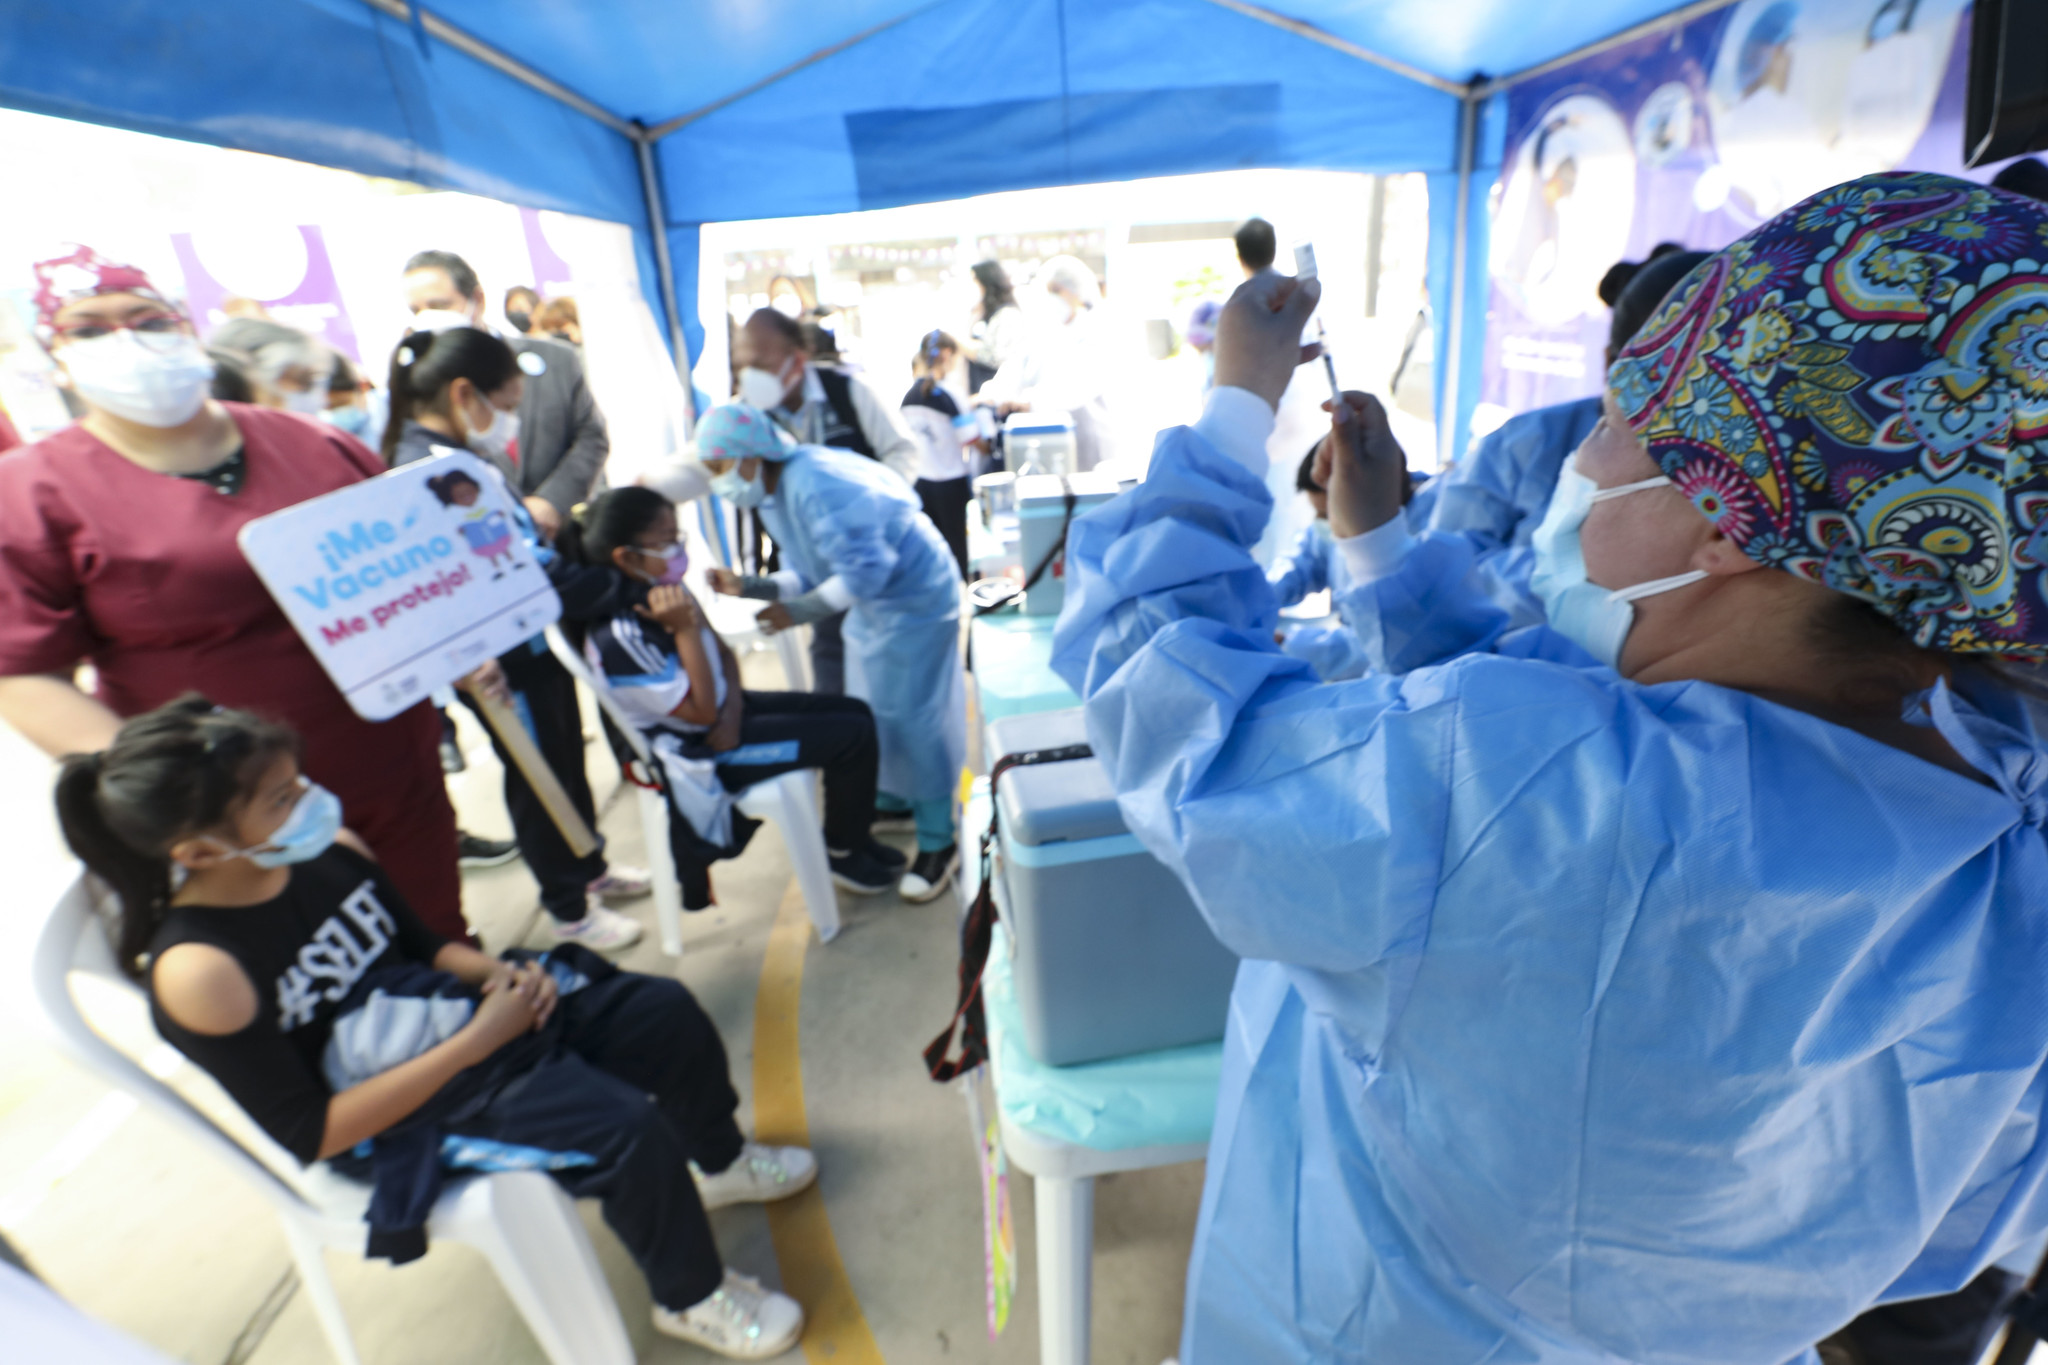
667	116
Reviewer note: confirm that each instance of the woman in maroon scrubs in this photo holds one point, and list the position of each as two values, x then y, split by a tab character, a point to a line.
117	549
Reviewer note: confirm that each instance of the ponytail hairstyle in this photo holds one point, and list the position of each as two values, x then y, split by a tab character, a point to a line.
615	518
930	353
171	773
426	363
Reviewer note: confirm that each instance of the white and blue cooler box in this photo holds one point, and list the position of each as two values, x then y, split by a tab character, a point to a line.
1041	515
1112	958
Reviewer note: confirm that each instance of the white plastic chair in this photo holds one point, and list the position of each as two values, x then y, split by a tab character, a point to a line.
522	1222
787	800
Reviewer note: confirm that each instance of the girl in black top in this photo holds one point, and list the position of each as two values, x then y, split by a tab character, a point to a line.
249	913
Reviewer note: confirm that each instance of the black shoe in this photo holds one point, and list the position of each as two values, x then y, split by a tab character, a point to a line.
887	856
860	873
930	874
478	851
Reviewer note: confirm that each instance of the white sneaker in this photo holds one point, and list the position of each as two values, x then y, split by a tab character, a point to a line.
622	882
759	1175
741	1319
600	929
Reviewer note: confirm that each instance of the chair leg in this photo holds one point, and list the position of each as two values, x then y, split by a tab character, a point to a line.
807	855
527	1227
1066	1254
309	1253
661	866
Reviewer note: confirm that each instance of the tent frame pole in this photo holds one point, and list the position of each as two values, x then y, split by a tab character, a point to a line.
470	45
1301	28
664	266
1454	327
1684	14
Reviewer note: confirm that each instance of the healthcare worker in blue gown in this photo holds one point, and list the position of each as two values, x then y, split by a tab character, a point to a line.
853	536
1665	984
1496	495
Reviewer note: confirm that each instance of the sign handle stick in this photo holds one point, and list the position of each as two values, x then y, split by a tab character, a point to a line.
512	733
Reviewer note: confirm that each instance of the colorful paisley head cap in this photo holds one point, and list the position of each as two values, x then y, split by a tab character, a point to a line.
1857	393
739	431
85	274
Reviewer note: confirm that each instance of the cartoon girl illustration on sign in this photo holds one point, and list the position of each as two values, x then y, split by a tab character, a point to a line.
488	530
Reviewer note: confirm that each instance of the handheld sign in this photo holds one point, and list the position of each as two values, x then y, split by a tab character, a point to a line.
403	583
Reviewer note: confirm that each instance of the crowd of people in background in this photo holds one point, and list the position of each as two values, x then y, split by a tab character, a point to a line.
1785	964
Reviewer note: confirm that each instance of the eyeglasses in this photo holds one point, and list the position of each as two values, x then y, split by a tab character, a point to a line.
152	329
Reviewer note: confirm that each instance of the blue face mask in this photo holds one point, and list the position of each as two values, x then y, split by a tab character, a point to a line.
305	834
1596	618
738	491
353	420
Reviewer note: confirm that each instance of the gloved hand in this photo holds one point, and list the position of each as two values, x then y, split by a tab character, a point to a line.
1362	466
1258	335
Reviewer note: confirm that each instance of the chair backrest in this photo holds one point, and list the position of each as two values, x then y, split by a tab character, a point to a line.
74	939
580	669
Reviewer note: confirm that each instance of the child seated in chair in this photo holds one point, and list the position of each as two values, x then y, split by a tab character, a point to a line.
679	682
278	957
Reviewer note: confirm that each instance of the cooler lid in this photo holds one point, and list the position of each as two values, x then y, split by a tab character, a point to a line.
1052	803
1046	490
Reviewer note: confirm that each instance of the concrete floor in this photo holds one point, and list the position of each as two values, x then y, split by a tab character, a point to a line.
128	1220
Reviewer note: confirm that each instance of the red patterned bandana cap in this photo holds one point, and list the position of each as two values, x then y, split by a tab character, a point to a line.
1857	393
86	274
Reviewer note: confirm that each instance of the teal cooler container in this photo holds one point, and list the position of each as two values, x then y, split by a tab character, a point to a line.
1041	513
1111	956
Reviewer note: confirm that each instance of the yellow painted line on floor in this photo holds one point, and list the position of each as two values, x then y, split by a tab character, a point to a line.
812	1272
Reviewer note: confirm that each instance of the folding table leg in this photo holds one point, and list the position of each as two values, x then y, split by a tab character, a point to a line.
1066	1263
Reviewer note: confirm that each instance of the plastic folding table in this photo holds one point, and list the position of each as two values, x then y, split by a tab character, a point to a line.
1066	1125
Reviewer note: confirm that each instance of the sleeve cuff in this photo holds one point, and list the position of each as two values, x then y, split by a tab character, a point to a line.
788	581
834	593
1379	551
1237	422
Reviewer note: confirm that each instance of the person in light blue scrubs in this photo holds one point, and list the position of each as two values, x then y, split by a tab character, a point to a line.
853	536
1665	983
1495	496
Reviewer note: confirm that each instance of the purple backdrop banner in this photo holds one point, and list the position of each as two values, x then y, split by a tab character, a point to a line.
1695	136
312	305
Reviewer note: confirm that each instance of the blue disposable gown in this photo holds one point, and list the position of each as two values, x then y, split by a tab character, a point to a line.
1580	1021
840	513
1496	496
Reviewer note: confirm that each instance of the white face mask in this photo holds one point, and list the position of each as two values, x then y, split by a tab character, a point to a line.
763	389
161	382
1598	619
313	402
739	490
497	438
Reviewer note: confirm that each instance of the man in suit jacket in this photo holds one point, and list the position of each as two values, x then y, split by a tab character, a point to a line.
562	440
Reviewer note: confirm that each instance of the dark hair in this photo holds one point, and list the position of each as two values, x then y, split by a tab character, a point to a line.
518	289
169	774
996	290
2026	176
1886	666
344	375
613	519
935	344
426	363
1615	281
459	274
1305	476
783	325
1256	244
230	380
443	486
1651	284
